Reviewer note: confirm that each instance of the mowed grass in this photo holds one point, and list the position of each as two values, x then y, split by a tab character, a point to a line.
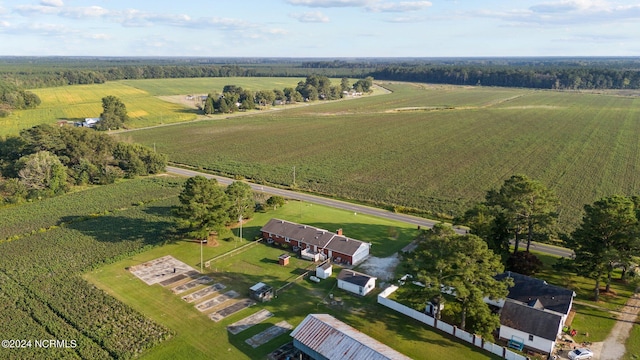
197	337
633	343
442	156
593	318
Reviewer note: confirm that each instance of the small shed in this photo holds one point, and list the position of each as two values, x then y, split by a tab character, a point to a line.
324	270
356	282
261	292
284	259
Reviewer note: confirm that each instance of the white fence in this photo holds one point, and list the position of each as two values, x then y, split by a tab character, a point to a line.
449	329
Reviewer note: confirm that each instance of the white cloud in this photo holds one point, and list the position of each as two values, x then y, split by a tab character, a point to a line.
566	12
402	6
54	3
28	10
406	19
330	3
277	32
572	5
39	29
84	12
311	17
99	36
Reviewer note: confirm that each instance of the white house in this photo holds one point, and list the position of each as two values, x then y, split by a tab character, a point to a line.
90	122
355	282
534	311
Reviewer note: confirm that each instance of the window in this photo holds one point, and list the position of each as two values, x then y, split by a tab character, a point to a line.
287	239
530	337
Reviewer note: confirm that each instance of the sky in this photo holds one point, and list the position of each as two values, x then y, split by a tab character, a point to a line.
320	28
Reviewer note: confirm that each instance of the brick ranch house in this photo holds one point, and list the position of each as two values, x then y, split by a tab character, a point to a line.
331	245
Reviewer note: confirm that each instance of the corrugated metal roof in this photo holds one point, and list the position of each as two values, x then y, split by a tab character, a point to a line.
334	339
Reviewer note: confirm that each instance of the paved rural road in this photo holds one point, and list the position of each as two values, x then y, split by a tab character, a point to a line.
361	209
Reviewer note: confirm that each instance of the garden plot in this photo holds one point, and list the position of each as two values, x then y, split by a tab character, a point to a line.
161	270
191	284
271	333
204	292
232	309
209	304
177	278
249	321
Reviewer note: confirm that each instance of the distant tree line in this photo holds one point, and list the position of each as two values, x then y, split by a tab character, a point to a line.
543	73
14	98
47	160
60	77
315	87
575	78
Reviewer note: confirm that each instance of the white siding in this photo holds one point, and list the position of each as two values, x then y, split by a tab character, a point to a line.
538	342
353	288
360	254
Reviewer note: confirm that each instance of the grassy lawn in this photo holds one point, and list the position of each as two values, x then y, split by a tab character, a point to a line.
197	337
591	317
633	344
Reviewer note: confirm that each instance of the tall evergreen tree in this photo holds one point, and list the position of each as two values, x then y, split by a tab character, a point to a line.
464	267
606	237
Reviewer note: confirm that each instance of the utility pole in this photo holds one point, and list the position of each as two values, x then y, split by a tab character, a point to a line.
201	256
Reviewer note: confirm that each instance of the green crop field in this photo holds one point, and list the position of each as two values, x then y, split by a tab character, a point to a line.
160	87
438	148
43	294
141	97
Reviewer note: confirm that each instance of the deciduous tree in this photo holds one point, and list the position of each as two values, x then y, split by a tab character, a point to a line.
42	173
241	198
114	114
204	207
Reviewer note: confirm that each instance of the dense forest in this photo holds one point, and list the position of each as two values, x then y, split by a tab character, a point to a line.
12	98
544	73
19	73
47	160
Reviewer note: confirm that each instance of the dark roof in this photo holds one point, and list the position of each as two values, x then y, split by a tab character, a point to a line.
538	292
313	236
333	339
354	277
530	320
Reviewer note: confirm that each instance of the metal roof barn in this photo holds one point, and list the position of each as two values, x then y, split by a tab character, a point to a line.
330	338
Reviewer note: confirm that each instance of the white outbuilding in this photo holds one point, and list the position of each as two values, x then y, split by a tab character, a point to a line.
356	282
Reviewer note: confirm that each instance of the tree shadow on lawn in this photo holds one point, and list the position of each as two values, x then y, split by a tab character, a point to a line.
116	228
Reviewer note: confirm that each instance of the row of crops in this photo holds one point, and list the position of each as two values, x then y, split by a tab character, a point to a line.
44	295
20	220
441	152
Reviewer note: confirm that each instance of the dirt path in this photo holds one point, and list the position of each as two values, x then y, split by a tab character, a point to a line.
614	344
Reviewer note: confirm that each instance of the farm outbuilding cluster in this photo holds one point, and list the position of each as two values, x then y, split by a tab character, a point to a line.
316	244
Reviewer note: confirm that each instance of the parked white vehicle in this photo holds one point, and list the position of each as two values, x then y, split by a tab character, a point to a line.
581	354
